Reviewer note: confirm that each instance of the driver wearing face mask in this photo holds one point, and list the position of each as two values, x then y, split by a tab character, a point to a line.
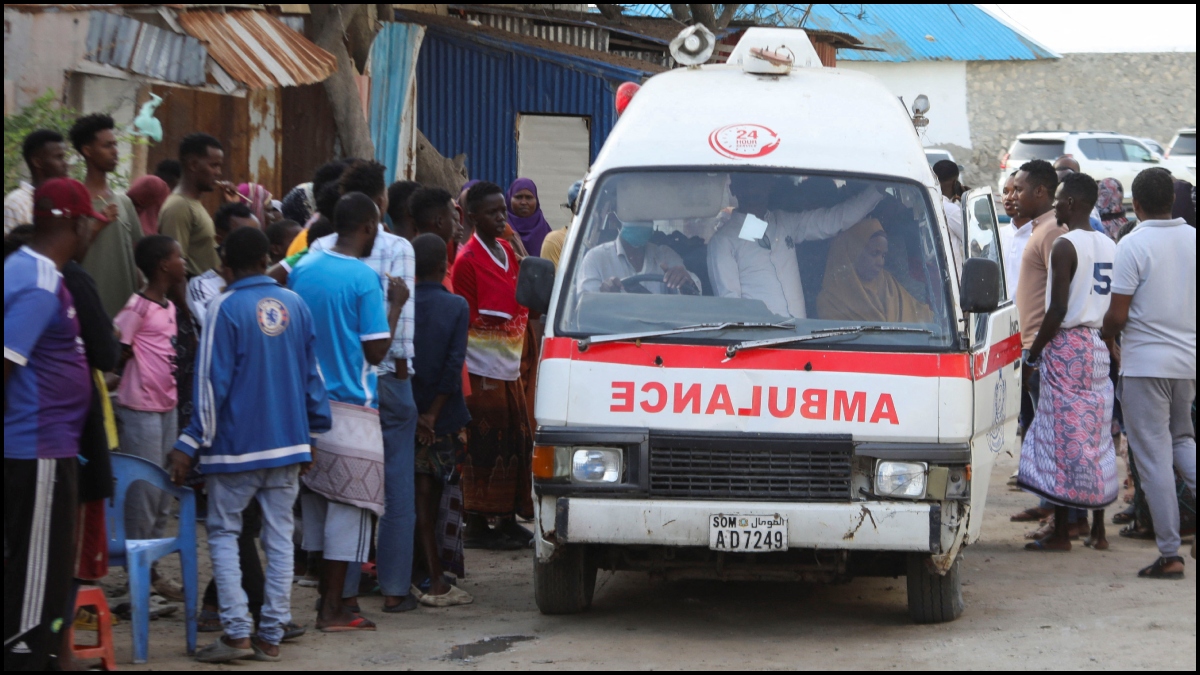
632	254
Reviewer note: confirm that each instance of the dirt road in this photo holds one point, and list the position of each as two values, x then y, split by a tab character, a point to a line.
1083	609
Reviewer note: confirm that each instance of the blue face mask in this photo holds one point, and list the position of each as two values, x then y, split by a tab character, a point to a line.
636	236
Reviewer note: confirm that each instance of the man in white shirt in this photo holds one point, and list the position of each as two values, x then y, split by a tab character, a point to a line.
753	255
203	288
46	156
1015	239
1154	309
632	254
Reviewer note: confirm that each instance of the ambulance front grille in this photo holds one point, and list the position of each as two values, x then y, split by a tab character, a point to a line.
803	472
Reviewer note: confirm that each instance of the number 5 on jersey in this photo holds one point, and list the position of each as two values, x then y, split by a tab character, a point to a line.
1102	272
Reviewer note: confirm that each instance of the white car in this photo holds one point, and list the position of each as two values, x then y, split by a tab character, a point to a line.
935	155
1182	149
1101	154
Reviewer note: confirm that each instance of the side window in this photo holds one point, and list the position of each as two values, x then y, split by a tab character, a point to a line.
1090	147
1110	151
1135	152
982	236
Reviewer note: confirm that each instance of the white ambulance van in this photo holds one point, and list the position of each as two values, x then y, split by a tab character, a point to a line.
761	360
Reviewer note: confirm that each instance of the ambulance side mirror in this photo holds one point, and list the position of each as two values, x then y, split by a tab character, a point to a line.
979	291
535	284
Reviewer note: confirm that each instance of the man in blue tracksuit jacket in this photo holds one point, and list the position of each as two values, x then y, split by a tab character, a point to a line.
259	398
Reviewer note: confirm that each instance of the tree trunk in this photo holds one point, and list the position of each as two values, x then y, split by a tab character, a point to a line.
341	88
610	12
727	15
704	14
681	13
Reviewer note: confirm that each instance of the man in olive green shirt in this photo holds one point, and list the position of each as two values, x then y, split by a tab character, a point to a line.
183	217
109	259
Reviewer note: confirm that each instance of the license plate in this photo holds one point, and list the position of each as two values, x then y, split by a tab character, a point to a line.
747	533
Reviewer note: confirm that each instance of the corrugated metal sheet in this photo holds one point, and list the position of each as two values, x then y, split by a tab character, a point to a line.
580	36
129	44
469	94
257	50
661	58
903	32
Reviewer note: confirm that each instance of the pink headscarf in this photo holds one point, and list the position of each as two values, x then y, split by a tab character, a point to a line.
258	199
148	194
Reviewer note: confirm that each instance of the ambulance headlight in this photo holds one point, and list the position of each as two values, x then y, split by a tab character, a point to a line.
596	465
905	480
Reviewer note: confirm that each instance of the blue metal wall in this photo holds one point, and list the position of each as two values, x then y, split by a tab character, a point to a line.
469	93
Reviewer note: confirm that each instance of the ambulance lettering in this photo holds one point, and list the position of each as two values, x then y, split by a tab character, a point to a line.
781	402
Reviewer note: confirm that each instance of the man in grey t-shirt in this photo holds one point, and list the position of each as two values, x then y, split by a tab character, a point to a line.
1153	283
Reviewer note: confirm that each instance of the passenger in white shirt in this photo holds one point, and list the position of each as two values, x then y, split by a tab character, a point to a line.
947	174
1015	239
632	254
753	255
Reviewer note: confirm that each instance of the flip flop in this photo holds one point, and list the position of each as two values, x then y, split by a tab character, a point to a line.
359	623
1090	543
1037	545
455	596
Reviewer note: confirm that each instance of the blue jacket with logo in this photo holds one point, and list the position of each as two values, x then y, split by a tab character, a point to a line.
259	397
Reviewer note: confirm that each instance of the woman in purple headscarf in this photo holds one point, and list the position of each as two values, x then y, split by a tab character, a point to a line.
525	215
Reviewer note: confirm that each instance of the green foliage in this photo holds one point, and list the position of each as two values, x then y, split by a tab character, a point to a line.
45	112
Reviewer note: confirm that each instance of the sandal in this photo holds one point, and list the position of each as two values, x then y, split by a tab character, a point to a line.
455	596
1031	514
221	652
1124	517
1155	571
261	655
1135	532
358	623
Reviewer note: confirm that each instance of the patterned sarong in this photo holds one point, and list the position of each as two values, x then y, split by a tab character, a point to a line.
497	478
348	466
1068	456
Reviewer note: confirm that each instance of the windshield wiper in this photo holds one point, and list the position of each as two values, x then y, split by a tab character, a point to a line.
732	350
723	325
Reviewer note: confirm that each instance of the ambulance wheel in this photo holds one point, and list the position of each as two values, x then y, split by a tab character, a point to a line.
565	584
933	597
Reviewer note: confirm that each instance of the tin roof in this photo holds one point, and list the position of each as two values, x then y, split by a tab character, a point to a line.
257	50
129	44
902	32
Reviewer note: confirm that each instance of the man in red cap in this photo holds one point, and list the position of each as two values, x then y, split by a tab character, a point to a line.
47	390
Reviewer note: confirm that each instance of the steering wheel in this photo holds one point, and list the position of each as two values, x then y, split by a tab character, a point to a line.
633	284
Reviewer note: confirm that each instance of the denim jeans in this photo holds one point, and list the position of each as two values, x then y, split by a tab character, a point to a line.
228	496
398	417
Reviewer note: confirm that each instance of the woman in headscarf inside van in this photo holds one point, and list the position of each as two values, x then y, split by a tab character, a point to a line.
525	215
856	285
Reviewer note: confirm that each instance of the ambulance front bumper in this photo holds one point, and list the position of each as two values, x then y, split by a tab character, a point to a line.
863	526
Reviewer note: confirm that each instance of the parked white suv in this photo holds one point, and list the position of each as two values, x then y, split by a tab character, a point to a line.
1101	154
1182	149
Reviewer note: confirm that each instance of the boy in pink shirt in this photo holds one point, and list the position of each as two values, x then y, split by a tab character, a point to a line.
146	396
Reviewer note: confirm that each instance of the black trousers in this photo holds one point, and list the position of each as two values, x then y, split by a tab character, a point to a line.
40	513
252	571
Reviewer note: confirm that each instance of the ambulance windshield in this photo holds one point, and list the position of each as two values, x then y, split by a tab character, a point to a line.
661	250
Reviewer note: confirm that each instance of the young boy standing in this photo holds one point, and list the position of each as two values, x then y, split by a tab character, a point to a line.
441	349
146	396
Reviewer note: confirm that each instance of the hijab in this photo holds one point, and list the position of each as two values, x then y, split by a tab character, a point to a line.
1110	203
532	228
148	194
258	199
844	295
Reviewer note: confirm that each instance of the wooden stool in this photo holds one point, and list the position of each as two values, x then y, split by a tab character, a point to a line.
93	597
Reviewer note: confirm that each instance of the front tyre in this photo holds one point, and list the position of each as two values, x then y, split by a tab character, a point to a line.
565	584
933	597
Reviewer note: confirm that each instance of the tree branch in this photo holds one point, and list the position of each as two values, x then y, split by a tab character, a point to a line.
341	87
610	12
727	15
681	13
704	14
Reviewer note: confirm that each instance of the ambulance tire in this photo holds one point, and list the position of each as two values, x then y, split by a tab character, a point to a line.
565	584
933	597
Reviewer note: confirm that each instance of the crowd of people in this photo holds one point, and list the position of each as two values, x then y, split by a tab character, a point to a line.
1108	328
383	319
218	346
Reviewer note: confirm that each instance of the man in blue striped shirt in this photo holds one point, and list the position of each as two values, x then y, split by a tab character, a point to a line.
259	398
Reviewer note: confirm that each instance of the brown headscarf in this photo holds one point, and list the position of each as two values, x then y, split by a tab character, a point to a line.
845	296
148	194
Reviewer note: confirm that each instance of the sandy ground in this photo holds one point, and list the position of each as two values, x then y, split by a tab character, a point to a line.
1083	609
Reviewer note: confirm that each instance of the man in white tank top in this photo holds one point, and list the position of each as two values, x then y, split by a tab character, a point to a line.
1067	456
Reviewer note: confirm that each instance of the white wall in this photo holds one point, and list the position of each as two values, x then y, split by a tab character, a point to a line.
944	82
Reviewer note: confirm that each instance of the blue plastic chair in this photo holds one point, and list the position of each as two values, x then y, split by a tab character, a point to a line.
136	555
